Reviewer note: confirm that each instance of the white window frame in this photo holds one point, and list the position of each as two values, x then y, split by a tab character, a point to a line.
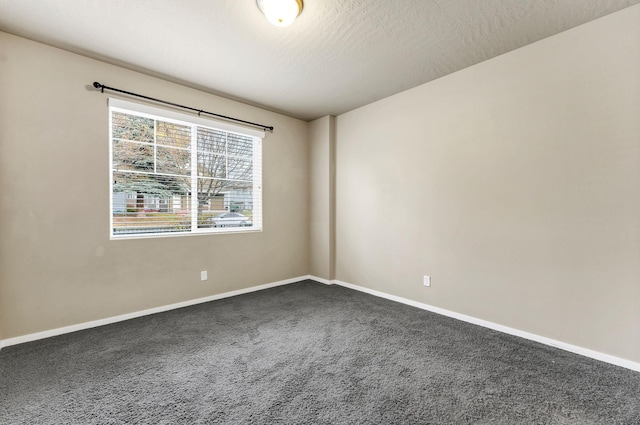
194	121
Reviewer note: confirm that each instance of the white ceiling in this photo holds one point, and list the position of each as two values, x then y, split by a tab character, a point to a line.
337	56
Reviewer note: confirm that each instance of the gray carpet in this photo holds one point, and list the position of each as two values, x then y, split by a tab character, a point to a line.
306	354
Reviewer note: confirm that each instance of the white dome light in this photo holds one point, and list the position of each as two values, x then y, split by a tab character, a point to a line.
280	13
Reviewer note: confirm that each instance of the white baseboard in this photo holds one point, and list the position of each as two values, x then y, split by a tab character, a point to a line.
95	323
320	280
628	364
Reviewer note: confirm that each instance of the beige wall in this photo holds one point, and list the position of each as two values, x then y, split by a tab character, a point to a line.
57	264
515	184
322	197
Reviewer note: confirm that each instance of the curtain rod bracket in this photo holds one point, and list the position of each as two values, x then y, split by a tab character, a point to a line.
199	111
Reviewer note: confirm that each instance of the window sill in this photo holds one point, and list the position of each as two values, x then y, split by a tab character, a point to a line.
222	231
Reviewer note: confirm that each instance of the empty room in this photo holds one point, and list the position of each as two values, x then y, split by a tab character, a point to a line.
319	212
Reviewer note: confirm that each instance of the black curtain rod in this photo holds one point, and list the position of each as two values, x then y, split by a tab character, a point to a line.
102	88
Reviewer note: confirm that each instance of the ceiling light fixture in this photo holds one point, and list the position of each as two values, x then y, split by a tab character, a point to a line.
280	13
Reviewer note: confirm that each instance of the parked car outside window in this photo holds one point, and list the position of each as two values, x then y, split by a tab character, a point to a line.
231	219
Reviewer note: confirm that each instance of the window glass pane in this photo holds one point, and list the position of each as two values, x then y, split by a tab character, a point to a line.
212	141
132	127
132	156
224	203
240	146
176	135
212	165
144	203
239	169
173	161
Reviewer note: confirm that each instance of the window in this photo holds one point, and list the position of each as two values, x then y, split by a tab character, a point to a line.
175	174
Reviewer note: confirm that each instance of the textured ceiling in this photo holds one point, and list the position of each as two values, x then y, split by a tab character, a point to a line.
337	56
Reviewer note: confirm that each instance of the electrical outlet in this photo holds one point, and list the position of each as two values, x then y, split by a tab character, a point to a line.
203	275
427	281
